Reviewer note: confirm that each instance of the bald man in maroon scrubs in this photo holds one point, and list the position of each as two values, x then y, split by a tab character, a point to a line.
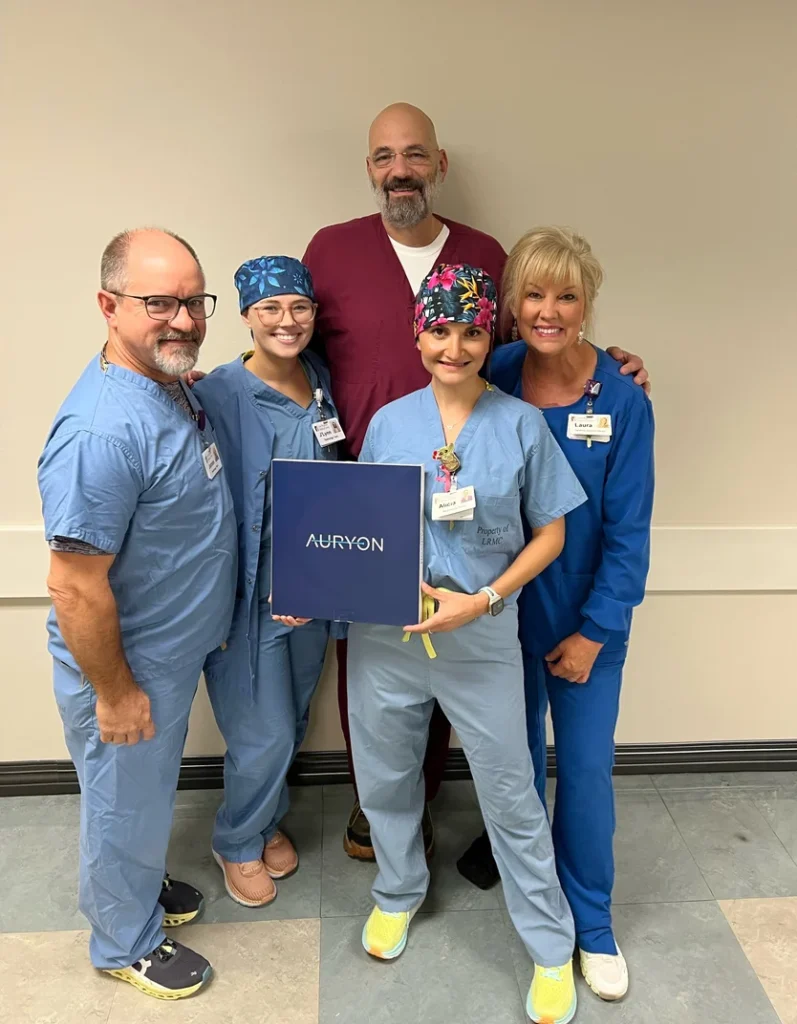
366	274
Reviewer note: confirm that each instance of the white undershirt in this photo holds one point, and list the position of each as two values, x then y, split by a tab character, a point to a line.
418	261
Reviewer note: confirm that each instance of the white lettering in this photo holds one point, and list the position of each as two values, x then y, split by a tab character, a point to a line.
340	541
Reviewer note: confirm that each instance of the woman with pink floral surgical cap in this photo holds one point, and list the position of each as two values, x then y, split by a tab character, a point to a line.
491	464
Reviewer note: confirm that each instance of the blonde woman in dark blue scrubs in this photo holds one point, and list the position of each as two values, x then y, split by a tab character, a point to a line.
575	617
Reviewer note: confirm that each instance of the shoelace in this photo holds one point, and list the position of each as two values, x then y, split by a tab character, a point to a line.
251	867
167	884
554	973
165	951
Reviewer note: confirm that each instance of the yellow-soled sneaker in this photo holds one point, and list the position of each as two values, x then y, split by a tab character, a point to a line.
385	934
552	996
172	971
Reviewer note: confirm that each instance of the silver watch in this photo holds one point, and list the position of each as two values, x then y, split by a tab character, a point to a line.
496	605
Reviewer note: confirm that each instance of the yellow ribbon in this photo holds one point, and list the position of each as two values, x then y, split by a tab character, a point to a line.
427	611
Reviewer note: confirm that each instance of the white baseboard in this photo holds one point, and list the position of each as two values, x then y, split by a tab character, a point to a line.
710	559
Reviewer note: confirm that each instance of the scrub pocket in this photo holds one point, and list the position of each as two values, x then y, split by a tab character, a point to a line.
74	696
496	528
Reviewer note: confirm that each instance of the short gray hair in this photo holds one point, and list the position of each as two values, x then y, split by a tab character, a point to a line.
113	265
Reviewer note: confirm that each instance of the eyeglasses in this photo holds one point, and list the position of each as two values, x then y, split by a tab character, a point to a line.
166	307
415	157
271	315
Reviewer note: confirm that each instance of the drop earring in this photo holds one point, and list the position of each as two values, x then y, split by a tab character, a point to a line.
581	334
514	331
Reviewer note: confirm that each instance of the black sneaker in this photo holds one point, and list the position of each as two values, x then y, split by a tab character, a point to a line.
172	971
357	838
181	903
477	863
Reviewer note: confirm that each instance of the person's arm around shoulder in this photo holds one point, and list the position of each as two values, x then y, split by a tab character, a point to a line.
90	486
631	364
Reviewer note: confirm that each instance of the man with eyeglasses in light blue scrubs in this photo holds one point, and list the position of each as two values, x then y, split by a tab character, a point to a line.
143	562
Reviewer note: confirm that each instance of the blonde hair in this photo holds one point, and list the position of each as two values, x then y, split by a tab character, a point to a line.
552	255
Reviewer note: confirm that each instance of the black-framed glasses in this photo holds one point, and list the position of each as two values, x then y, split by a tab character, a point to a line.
166	307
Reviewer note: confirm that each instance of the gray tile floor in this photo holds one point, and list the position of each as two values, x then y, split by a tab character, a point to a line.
683	843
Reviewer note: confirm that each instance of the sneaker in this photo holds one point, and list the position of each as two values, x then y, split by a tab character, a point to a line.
357	837
249	883
181	903
477	864
279	856
552	996
385	934
172	971
606	975
427	827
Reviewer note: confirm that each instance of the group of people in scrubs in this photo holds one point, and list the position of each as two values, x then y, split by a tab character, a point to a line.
156	491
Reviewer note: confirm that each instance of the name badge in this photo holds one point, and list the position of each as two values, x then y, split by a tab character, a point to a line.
328	432
453	505
589	427
211	460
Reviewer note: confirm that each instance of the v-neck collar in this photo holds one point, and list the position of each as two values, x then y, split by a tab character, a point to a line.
262	394
446	253
471	425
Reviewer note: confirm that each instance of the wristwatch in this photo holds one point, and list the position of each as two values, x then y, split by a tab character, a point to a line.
496	605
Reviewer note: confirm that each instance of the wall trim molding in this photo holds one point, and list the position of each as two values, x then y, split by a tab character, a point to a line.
314	768
684	559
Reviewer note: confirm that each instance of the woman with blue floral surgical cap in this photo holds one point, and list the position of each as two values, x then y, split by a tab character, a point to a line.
264	405
491	463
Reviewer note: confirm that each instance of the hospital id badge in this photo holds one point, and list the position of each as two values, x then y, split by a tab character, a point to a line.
589	427
327	432
211	460
458	504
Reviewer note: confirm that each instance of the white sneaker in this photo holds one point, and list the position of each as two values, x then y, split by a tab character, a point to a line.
606	975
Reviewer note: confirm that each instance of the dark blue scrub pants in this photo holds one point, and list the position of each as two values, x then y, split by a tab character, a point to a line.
584	717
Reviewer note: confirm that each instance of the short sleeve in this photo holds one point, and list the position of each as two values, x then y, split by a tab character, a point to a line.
550	487
367	450
90	486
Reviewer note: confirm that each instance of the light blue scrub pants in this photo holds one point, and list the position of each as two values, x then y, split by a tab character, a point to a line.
584	717
477	679
126	806
263	723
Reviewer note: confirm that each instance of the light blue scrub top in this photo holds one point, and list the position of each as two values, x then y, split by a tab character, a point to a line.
122	469
509	456
293	439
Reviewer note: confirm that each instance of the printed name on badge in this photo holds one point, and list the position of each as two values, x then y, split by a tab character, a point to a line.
328	432
211	460
454	505
594	426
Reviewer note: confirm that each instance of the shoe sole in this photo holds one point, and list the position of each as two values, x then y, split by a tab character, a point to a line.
241	900
176	920
124	974
550	1020
398	949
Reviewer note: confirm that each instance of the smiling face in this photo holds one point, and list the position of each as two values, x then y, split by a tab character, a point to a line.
452	352
281	326
550	316
405	166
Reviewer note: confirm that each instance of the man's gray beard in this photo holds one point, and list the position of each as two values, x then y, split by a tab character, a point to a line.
408	211
178	361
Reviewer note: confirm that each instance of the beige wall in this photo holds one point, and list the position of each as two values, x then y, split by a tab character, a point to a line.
664	132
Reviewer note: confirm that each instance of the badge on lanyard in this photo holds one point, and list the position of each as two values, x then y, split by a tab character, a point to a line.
455	504
590	426
326	431
211	461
